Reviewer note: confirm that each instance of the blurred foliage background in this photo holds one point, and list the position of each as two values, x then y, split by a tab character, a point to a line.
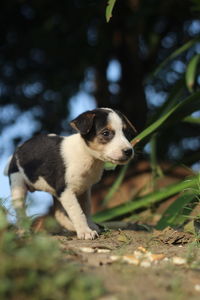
34	267
144	62
51	50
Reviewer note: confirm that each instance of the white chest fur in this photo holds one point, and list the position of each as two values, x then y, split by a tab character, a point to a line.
82	169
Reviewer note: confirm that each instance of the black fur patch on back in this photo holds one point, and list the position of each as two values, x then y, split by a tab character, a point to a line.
41	156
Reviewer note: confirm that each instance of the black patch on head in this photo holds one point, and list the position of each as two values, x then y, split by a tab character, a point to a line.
83	123
128	129
41	156
99	122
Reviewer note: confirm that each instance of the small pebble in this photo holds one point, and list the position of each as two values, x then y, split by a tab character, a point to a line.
115	257
145	263
178	260
87	249
197	287
101	250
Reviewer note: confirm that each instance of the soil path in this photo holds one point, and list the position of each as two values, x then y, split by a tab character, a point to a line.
139	265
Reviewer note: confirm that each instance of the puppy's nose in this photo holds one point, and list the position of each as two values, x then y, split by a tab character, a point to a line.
128	152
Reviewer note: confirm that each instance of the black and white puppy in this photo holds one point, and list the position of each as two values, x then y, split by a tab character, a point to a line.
67	167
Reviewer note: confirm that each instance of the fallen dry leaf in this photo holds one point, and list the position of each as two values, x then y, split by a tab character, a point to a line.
131	259
123	238
171	236
156	257
142	249
142	257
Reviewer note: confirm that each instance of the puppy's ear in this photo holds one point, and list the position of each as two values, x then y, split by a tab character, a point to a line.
83	123
128	126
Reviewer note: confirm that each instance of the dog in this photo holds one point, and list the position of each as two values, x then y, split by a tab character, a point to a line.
67	167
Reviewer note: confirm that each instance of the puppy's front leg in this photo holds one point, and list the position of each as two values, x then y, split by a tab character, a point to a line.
61	215
85	202
71	205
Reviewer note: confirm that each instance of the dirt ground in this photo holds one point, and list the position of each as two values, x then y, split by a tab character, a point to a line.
134	264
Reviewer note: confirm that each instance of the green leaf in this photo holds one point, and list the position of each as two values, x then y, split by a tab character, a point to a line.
109	9
155	168
190	73
115	185
175	114
108	166
192	120
174	96
177	212
176	53
147	200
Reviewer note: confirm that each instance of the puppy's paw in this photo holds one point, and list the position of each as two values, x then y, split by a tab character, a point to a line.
94	226
87	234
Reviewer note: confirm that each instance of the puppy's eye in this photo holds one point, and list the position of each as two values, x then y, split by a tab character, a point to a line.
106	132
106	135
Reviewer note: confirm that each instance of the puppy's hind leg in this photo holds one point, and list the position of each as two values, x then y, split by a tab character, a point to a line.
18	193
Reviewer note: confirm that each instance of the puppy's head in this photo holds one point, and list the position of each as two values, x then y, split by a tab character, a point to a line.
107	134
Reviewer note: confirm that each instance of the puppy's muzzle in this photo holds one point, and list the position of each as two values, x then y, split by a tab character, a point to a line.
127	153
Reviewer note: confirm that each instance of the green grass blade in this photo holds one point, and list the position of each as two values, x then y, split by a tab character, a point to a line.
109	9
175	114
174	96
155	168
192	120
115	185
176	53
175	214
147	200
190	73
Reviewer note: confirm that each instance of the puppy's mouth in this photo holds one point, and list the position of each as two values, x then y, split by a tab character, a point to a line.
120	161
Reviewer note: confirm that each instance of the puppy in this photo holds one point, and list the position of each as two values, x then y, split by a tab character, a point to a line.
67	167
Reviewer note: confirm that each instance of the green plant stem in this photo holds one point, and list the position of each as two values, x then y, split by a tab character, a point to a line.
115	185
176	53
145	201
192	120
156	170
175	114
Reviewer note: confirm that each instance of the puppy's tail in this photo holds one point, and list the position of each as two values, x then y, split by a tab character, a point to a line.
5	172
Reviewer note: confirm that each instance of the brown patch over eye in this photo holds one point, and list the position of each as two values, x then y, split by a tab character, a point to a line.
102	138
105	135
